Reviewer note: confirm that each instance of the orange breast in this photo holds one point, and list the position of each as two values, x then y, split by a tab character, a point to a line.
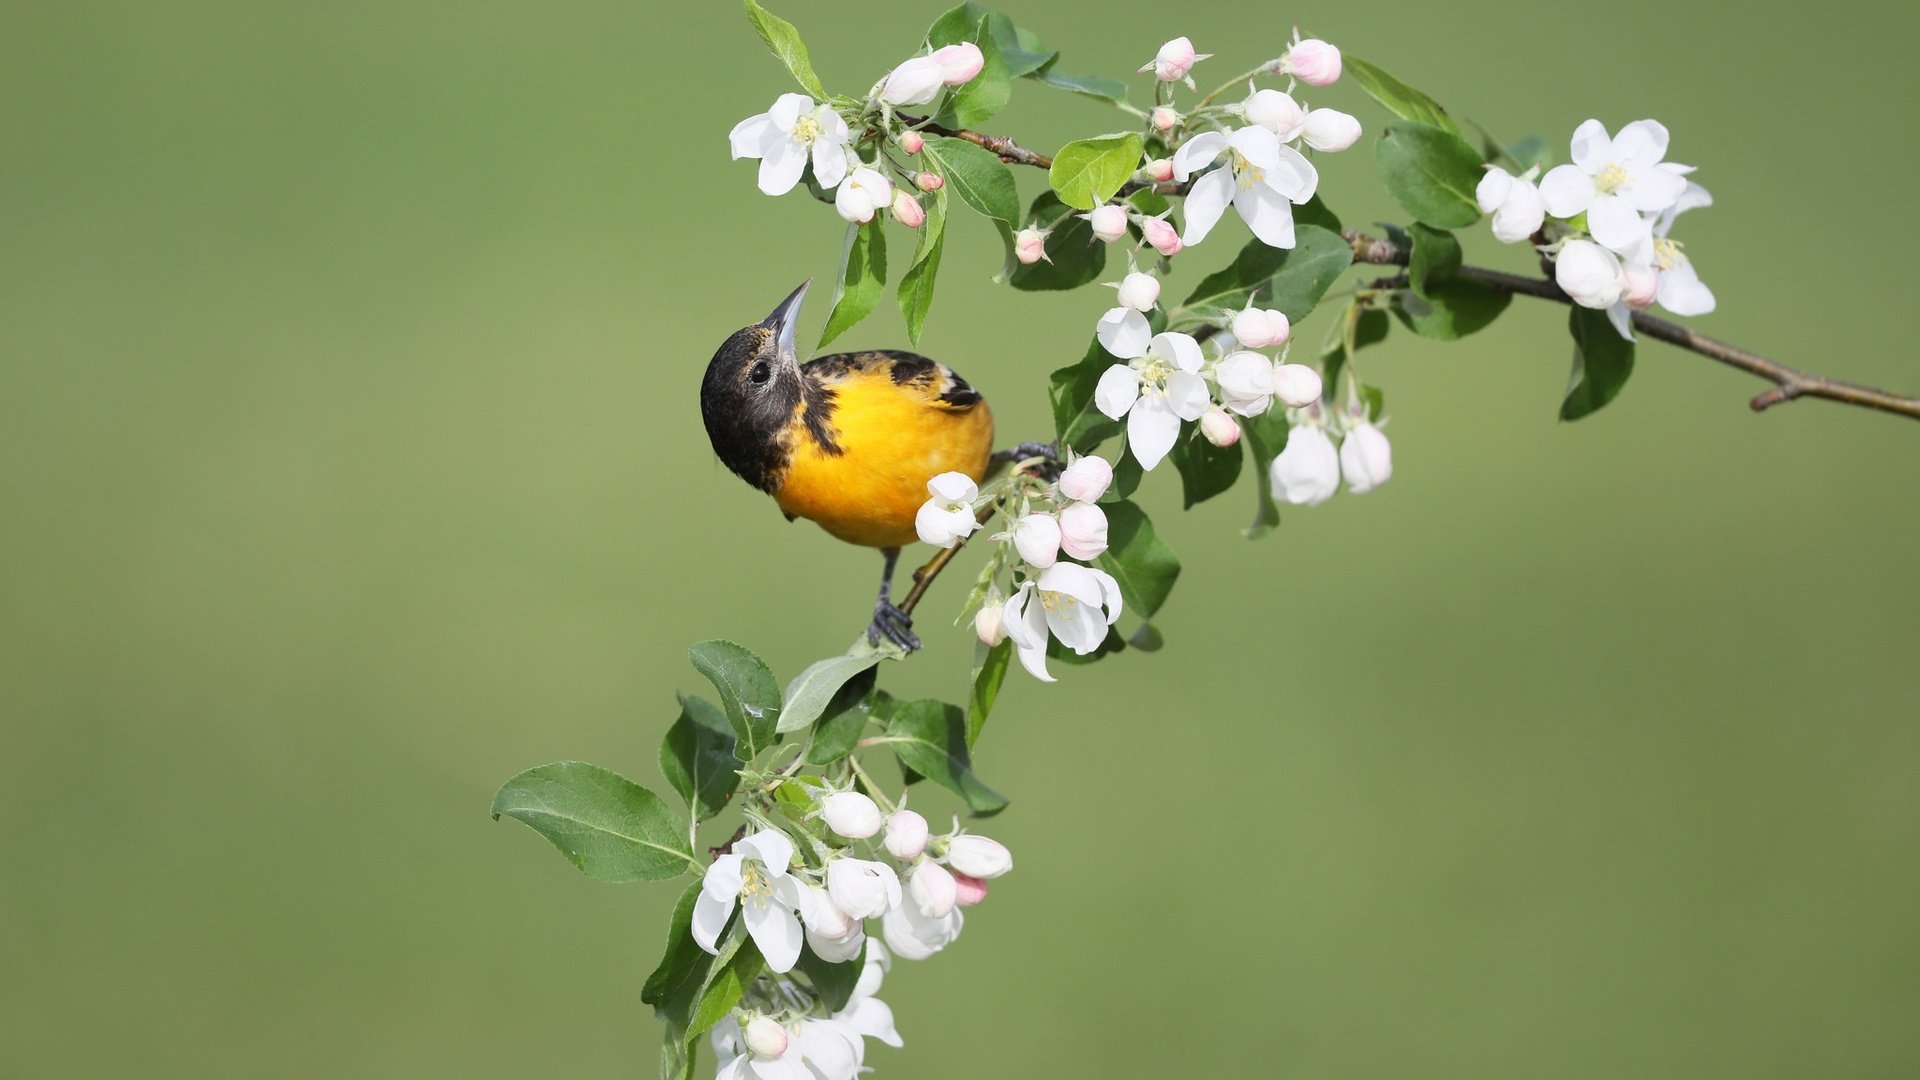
892	440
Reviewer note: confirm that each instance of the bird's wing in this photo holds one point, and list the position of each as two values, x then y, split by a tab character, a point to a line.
931	381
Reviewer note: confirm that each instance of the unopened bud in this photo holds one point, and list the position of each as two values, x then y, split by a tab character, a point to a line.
1277	112
907	830
928	181
1037	538
1160	170
1139	291
978	856
1109	221
1313	62
1163	118
765	1038
851	814
1219	429
1174	60
931	889
1296	385
1162	235
1366	461
968	891
1331	130
907	209
1643	286
1086	479
959	63
1256	328
989	626
912	141
1083	531
915	82
1030	246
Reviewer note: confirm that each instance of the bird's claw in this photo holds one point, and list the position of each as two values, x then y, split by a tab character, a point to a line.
894	625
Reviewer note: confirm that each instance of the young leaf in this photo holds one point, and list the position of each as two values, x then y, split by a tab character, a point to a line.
1450	311
989	671
978	176
1290	279
1088	172
697	757
1265	437
610	827
747	691
845	717
1074	257
728	976
1093	86
813	689
916	285
863	277
1138	559
930	738
1531	152
1399	98
1205	470
977	100
1436	258
1431	172
785	42
1602	360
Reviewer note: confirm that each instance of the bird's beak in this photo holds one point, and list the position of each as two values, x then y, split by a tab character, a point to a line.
785	320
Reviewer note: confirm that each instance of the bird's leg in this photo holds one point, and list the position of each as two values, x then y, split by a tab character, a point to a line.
889	621
1027	450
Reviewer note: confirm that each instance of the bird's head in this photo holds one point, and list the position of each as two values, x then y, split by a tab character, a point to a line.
751	390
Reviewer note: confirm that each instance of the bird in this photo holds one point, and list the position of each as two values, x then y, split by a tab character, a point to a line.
847	441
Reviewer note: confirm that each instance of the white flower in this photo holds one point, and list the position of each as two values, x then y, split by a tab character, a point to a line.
1296	385
1614	181
947	517
1331	130
1365	458
1109	221
977	856
1515	203
784	137
1261	178
1261	329
1668	275
1277	112
1174	60
861	887
1086	479
913	936
869	1016
1072	602
851	814
1037	538
1246	383
864	194
960	63
1589	273
1220	429
1313	62
1030	245
906	834
930	888
1307	470
755	874
1155	390
1083	531
915	82
1139	291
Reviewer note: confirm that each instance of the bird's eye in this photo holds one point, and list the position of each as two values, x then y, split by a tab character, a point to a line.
759	374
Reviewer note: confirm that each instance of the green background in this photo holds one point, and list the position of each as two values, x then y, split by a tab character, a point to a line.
350	463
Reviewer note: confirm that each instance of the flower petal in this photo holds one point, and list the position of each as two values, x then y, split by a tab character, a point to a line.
829	163
1616	226
1124	333
1683	293
1592	150
787	109
776	930
710	915
1567	189
1492	189
1196	153
1259	146
1654	189
1206	201
780	169
1152	429
870	1017
1267	213
722	881
1293	176
749	135
1119	386
1642	143
1187	395
1622	319
1181	349
771	847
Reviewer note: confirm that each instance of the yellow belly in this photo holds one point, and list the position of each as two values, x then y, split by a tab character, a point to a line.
892	442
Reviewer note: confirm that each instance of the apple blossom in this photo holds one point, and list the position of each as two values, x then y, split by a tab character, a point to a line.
1219	429
1174	60
864	194
1155	390
1030	245
1589	273
1313	62
1162	235
1037	538
1680	290
1245	380
959	63
785	136
1514	201
1307	470
1076	604
1614	181
1261	329
1331	130
947	517
851	814
1085	479
978	856
1365	458
906	830
1139	291
1083	531
915	82
1159	170
907	209
754	874
1296	385
1277	112
1163	118
912	142
931	889
863	888
969	890
1109	221
1261	178
913	936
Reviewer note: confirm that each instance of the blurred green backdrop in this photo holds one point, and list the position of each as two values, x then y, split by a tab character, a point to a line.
350	462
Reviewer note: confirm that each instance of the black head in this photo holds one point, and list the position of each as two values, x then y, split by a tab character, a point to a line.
750	393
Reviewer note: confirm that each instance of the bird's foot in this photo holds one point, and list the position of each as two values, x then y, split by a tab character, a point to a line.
893	624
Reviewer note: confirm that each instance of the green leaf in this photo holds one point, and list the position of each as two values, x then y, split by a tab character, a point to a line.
1205	470
863	277
1399	98
1088	172
1314	212
1076	423
833	983
916	285
785	42
1433	173
1109	645
1602	360
1138	559
747	691
1265	437
610	827
697	757
1093	86
1147	638
1435	260
1530	152
683	956
728	976
978	99
1021	52
978	176
812	690
1127	475
930	738
989	672
1290	279
1450	311
1074	257
846	716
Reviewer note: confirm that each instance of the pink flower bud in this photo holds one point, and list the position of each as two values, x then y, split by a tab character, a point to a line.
851	814
765	1038
1109	222
1296	385
989	626
959	63
1083	531
1220	429
1139	291
968	891
1643	286
1159	170
1030	246
1163	118
907	831
907	209
1261	329
1162	235
915	82
928	181
931	889
1313	62
1174	60
912	141
1086	479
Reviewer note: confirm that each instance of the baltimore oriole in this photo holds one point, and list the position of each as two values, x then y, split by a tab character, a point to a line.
847	441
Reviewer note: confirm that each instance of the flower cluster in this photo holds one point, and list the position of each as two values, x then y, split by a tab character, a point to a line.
1308	470
1613	209
817	888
